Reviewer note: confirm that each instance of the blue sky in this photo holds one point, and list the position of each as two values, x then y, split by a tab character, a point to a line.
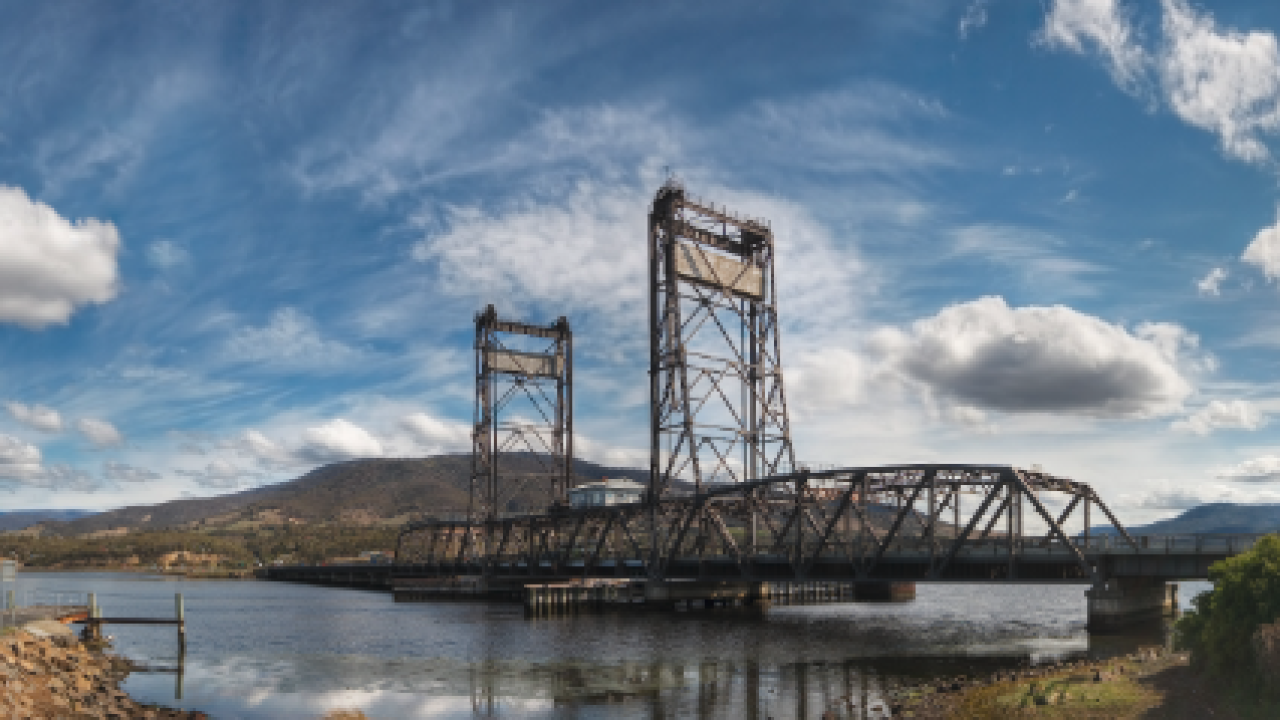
238	240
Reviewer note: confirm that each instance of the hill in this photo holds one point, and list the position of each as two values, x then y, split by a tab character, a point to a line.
355	492
1212	518
18	519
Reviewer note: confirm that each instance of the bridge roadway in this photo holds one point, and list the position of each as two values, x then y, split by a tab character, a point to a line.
1155	558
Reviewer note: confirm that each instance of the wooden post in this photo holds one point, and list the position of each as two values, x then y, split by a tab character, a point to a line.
182	623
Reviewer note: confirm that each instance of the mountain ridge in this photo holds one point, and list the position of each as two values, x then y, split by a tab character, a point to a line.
356	491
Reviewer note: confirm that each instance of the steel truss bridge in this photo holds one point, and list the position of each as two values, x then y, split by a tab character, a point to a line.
726	500
890	523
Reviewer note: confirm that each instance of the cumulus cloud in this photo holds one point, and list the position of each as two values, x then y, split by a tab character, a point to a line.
339	439
1262	469
20	460
289	340
1098	26
988	355
49	265
1264	251
437	436
39	417
100	433
1211	285
124	472
1222	414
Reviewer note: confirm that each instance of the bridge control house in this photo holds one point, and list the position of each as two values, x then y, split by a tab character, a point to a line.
606	492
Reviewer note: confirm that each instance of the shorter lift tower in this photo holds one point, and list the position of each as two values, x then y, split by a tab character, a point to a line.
522	445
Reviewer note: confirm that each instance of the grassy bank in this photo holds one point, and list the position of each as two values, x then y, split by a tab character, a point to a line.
1149	684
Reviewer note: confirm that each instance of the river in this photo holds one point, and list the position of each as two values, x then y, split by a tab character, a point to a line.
281	651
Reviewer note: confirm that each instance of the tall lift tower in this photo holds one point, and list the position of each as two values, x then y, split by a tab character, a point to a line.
718	413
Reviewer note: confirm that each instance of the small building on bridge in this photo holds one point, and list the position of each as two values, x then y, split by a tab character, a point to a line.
618	491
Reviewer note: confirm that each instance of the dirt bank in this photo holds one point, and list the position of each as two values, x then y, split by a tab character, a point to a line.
45	673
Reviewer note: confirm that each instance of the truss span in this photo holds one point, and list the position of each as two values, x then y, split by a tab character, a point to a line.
903	522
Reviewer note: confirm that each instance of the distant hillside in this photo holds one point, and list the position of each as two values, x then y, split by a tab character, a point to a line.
1213	518
361	491
18	519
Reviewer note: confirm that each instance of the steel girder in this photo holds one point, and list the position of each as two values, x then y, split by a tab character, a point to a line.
918	522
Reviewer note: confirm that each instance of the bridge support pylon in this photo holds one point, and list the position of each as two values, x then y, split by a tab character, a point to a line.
1119	603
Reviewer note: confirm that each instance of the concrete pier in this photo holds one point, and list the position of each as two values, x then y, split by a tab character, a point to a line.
1122	602
884	591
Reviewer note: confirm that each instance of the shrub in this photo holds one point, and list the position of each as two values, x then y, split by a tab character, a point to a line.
1246	594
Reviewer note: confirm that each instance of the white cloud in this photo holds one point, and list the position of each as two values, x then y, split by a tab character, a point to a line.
166	254
974	18
1099	26
1043	359
826	379
100	433
1264	251
1226	82
123	472
589	253
1211	284
339	439
264	449
20	460
1222	414
220	475
289	340
40	417
436	436
49	265
587	257
1261	469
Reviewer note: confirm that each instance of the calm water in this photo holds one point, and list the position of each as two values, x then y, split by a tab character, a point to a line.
275	650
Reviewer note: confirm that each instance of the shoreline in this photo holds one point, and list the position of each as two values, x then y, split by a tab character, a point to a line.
1151	682
45	671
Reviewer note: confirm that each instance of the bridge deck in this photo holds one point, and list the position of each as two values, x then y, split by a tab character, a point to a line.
1182	557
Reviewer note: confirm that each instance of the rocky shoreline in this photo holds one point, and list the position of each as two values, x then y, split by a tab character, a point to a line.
45	672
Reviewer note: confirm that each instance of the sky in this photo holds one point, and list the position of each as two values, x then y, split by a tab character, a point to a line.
239	240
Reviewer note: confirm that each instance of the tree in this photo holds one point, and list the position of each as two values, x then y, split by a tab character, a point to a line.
1245	595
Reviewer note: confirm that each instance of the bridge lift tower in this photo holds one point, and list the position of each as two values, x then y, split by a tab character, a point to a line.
718	411
522	444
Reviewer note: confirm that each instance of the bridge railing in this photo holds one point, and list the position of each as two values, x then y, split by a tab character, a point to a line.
1183	543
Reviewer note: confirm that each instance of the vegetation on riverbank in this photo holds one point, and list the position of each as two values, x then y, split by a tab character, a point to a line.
232	547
